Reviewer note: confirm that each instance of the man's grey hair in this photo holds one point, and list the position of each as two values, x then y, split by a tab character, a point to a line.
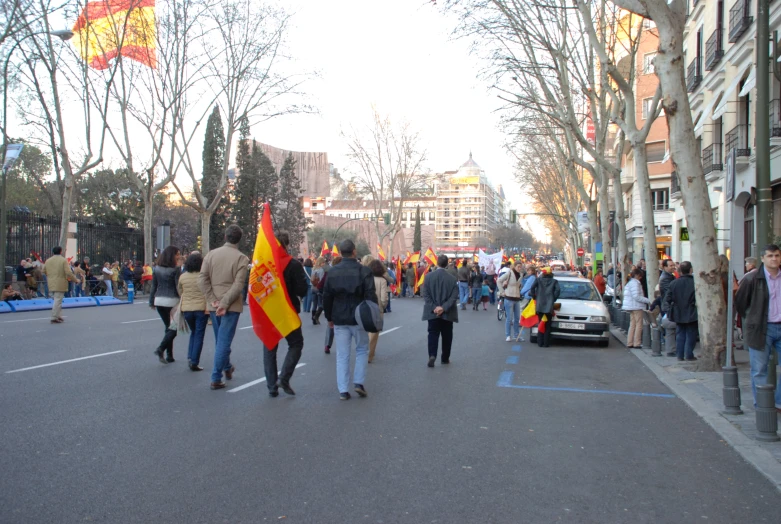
752	261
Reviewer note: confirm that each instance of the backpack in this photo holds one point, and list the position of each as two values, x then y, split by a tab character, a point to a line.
367	315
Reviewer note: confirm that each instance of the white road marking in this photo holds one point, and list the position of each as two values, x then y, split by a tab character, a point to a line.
388	331
254	382
145	320
27	320
67	361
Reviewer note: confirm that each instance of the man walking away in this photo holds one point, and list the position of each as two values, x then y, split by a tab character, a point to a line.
409	280
545	292
58	271
463	283
758	301
296	283
440	308
347	285
222	278
679	302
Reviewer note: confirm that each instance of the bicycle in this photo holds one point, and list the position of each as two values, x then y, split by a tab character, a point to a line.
500	309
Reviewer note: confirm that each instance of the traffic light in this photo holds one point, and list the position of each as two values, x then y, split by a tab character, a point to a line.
386	218
513	216
198	242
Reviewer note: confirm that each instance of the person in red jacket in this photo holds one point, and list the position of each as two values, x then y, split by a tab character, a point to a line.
599	281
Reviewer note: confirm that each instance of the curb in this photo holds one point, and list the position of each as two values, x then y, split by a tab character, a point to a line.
746	447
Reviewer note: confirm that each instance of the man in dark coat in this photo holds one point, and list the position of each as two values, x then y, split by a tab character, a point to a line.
545	292
758	301
681	308
440	309
666	278
297	285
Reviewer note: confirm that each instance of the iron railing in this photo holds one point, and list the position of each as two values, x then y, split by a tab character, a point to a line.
714	49
739	19
694	74
28	233
737	138
711	158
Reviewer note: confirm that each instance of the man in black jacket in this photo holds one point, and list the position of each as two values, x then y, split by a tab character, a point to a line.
440	308
296	284
348	284
670	329
758	301
681	308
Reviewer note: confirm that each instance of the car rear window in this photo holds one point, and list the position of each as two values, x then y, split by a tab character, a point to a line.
583	290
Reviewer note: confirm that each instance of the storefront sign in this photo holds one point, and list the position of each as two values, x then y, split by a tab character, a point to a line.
462	180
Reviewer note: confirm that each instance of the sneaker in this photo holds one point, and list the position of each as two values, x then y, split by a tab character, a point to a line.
327	350
431	361
507	339
344	396
361	390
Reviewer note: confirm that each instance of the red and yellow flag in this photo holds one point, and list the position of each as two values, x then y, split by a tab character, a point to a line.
407	258
419	281
529	315
399	276
430	257
414	258
335	250
273	315
380	252
324	250
107	29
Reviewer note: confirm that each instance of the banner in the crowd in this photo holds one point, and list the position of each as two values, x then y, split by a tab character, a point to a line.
493	261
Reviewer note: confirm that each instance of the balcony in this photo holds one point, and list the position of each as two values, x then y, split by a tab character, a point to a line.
739	19
711	159
738	139
675	188
694	74
714	49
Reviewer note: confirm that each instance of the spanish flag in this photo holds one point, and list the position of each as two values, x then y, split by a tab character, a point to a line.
273	315
419	278
529	317
335	250
324	250
407	258
107	29
399	276
414	257
430	257
380	252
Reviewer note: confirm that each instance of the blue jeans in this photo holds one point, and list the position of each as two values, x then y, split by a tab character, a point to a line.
463	293
404	289
492	297
512	317
343	338
306	304
224	329
388	307
197	321
477	295
78	290
685	338
759	358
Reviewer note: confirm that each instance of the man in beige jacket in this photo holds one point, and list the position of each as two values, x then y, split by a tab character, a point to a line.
222	279
58	272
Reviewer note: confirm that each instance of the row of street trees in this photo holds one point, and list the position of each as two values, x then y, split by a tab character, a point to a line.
92	99
561	67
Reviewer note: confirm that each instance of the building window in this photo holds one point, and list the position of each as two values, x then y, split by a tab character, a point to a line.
431	215
648	24
655	151
660	199
748	232
347	215
647	107
404	216
340	215
366	215
648	65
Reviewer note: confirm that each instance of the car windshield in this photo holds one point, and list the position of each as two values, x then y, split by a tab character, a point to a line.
573	290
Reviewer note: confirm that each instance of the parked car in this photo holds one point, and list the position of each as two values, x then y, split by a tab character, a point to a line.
582	314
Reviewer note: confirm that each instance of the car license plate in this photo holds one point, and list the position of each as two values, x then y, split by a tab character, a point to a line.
570	325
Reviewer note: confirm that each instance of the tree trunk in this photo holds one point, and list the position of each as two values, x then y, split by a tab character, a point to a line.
620	225
594	234
604	214
67	197
206	219
686	161
149	248
647	212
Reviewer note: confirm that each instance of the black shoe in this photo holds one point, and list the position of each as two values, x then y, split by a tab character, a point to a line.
285	387
670	353
170	359
344	396
195	367
327	350
446	362
691	359
680	359
273	394
160	357
431	361
218	385
361	390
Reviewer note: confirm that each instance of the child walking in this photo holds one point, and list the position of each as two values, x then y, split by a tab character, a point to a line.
486	295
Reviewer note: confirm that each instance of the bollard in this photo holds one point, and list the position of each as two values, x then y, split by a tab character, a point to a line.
646	336
656	342
731	391
767	416
131	292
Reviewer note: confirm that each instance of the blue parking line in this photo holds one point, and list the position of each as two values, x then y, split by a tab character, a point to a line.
506	379
517	348
512	359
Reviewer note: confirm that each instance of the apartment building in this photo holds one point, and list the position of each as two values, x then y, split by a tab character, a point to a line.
720	54
364	210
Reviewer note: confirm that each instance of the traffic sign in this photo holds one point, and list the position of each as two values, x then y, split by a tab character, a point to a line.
684	236
581	251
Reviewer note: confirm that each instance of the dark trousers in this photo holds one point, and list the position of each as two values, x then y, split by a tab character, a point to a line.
543	339
295	342
436	327
685	339
170	334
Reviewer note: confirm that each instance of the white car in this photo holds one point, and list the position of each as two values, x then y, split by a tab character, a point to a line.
582	316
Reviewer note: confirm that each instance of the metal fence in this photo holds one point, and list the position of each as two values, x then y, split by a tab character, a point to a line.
28	232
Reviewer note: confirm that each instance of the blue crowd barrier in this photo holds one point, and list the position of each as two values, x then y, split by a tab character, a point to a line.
79	302
6	307
109	301
35	304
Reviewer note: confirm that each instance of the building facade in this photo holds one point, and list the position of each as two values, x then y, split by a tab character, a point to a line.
313	169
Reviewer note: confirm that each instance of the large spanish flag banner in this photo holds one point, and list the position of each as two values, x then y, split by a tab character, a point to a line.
273	315
107	29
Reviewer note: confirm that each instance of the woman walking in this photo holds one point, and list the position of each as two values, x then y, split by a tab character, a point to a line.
164	297
108	276
510	283
381	289
476	284
318	273
193	307
634	302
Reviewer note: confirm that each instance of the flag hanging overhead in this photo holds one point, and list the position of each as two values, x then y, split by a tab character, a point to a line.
107	29
273	315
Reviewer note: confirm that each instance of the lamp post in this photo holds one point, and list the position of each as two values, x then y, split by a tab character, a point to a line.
62	35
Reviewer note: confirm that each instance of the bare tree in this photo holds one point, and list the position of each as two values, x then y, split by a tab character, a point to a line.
388	162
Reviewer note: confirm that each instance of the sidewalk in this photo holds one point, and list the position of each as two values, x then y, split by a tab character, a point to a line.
702	391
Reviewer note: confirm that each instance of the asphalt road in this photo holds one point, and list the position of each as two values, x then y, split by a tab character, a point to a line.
504	434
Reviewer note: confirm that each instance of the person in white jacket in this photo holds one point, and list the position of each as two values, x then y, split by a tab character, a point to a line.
634	302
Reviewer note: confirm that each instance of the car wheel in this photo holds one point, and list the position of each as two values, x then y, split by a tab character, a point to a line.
604	343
